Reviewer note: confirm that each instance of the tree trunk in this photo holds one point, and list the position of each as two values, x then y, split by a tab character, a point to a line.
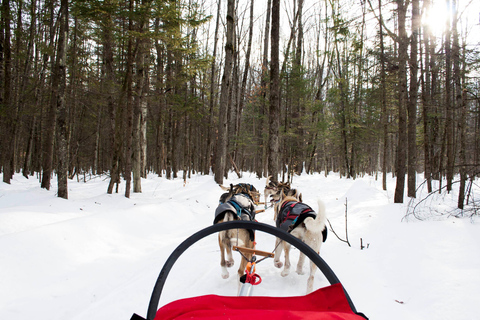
140	104
383	83
59	83
209	153
247	67
49	132
7	106
114	119
460	104
261	157
221	149
426	102
274	110
449	127
412	102
129	114
402	93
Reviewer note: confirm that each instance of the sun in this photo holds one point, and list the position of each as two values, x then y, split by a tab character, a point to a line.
436	17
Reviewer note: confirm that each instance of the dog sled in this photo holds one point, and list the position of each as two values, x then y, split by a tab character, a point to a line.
328	303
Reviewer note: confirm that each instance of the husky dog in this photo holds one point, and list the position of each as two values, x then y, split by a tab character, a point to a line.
236	204
271	188
284	190
302	222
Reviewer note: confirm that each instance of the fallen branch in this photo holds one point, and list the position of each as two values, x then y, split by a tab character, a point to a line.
346	227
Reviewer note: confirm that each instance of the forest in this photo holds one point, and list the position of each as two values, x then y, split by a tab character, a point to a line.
123	88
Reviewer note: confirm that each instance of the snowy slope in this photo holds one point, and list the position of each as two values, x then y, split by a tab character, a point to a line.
97	256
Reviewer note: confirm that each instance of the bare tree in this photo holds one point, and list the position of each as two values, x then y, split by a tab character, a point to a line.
48	134
7	105
221	150
402	95
412	101
274	111
449	113
59	87
127	92
209	149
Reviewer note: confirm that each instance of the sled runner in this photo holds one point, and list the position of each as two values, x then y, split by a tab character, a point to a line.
329	303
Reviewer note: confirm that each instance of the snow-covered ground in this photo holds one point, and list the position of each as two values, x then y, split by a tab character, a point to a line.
97	256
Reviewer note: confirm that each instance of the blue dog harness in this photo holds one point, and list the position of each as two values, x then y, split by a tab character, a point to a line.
241	205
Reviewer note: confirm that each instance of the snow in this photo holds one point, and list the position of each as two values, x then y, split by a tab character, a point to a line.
97	256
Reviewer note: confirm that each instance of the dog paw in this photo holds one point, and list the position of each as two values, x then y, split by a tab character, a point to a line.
225	275
300	271
285	273
278	264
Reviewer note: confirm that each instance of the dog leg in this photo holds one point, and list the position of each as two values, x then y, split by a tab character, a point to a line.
286	268
300	263
223	263
313	269
316	242
278	252
230	262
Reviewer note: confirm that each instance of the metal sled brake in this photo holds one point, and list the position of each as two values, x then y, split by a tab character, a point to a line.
331	302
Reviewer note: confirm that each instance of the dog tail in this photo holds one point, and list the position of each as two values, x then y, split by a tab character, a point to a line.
319	222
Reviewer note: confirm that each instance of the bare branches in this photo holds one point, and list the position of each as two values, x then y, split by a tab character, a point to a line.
346	227
434	203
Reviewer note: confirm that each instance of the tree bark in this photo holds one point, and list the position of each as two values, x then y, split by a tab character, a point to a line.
7	106
402	93
49	132
426	101
412	102
113	114
129	107
209	149
221	149
449	127
60	83
274	109
383	84
140	105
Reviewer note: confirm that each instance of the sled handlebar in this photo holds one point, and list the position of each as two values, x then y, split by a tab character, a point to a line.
304	248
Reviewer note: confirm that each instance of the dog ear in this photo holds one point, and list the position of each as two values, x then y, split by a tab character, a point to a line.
224	188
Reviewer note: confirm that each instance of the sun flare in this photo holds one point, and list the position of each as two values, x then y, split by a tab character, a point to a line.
436	17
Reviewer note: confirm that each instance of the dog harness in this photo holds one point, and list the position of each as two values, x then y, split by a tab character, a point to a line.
293	213
241	205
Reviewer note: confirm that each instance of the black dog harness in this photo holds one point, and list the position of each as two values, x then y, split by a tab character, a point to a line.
293	213
241	205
